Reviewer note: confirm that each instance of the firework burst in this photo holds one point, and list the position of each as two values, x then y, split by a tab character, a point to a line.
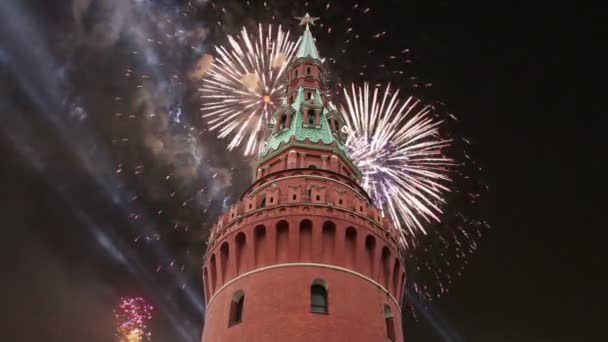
401	154
131	317
171	180
244	85
409	170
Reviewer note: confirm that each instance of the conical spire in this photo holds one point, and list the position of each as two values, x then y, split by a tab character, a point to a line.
307	43
305	119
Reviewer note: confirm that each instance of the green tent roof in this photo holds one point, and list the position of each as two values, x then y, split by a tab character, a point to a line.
307	46
298	130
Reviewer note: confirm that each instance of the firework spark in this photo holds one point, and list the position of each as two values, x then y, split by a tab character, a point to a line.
131	317
245	84
398	147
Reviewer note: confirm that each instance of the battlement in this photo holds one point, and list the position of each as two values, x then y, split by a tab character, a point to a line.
304	216
304	234
304	187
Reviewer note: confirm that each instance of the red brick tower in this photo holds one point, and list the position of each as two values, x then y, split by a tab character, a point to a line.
304	255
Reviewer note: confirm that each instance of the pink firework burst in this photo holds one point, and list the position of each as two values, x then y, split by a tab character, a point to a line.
132	315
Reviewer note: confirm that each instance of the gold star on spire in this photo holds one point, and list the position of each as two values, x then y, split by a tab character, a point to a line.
307	19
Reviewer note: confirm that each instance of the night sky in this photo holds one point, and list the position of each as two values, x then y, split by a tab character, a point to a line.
525	84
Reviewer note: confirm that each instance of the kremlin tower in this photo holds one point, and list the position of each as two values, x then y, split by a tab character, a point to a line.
304	255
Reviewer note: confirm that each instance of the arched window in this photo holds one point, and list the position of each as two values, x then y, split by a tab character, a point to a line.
388	319
328	242
263	202
370	246
385	264
259	246
236	308
396	276
224	261
350	246
212	262
318	297
206	284
305	248
241	252
282	245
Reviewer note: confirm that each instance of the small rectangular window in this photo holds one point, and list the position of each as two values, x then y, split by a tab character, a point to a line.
236	309
318	299
239	311
388	320
312	118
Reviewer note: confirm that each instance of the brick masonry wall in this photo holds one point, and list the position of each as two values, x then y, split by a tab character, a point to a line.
277	308
280	238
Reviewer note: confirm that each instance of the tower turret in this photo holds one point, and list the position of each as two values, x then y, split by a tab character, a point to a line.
304	255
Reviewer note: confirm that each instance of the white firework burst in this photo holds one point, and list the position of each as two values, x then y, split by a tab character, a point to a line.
398	147
244	85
